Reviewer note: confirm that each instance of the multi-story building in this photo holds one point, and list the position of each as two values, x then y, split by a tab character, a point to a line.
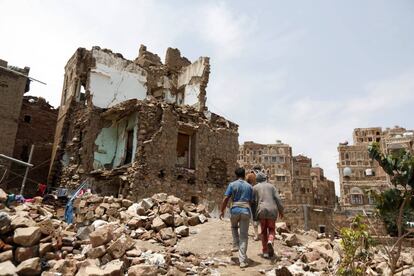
133	128
323	188
275	159
308	196
14	82
297	181
359	175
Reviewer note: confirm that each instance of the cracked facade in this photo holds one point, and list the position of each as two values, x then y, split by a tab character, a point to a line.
140	127
359	174
308	196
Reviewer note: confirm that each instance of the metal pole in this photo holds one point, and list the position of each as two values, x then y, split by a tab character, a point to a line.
27	170
15	160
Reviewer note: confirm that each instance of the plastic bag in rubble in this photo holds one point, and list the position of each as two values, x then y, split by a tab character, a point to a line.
153	258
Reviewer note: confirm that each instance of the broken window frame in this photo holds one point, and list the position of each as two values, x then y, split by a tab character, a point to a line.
191	158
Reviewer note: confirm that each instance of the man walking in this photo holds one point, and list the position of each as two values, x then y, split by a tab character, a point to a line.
268	207
241	194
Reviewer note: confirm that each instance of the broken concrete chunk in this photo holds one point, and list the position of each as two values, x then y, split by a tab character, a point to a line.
96	252
147	203
281	227
193	221
101	236
183	231
158	224
7	268
22	221
168	219
143	269
83	232
44	248
120	246
6	256
291	239
23	253
167	233
174	200
27	236
160	197
29	267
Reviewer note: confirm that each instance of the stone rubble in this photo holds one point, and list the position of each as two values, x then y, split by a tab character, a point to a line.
107	235
34	240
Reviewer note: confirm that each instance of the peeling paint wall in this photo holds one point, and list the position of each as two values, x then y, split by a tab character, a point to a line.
111	142
115	80
194	78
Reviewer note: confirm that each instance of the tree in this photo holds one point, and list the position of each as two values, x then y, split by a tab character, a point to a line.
400	168
356	243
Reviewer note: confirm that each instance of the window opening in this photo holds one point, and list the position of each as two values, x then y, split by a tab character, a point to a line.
129	147
186	150
27	118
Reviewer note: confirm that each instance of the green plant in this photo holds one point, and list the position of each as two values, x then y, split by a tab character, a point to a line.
356	243
386	203
399	165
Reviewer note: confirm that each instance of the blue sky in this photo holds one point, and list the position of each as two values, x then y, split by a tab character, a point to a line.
305	72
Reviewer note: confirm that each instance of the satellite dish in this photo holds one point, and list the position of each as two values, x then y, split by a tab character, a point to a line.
347	171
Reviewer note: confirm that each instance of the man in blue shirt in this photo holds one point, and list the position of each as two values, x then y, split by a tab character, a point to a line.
241	194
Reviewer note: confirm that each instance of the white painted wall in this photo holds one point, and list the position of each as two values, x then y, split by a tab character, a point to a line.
191	93
192	86
195	69
115	80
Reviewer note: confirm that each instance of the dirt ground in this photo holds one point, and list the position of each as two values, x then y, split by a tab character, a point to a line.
214	239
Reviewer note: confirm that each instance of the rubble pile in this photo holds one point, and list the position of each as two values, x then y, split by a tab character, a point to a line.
309	253
102	240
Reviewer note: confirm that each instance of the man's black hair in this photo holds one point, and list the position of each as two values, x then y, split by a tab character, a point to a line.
240	172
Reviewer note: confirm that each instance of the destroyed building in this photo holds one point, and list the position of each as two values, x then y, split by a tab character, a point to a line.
36	127
308	196
13	84
359	175
135	128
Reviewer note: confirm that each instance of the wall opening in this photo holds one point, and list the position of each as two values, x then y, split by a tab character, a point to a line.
116	144
27	118
195	200
186	150
322	229
24	155
129	146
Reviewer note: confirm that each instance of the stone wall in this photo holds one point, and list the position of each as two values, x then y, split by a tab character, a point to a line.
100	78
154	167
306	217
36	126
12	88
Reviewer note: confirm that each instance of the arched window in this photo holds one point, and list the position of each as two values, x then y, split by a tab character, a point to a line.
357	196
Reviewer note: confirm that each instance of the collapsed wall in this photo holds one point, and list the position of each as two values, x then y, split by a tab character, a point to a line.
139	127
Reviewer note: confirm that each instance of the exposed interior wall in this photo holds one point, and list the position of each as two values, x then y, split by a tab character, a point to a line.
114	80
157	126
194	78
111	143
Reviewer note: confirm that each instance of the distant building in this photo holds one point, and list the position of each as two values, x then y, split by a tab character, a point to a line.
309	197
359	174
36	126
13	85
